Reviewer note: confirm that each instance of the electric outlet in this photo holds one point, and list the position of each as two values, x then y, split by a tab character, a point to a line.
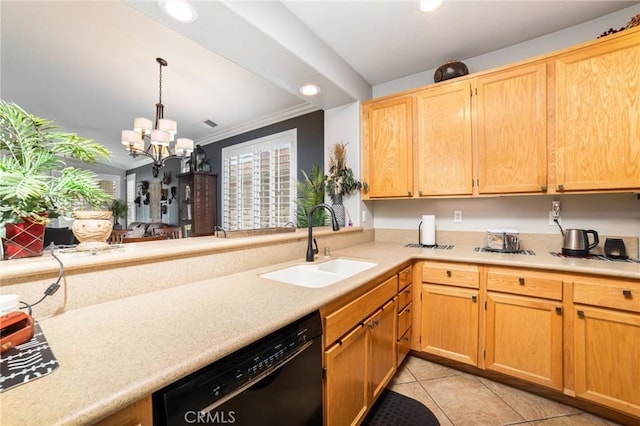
364	215
555	209
552	217
457	216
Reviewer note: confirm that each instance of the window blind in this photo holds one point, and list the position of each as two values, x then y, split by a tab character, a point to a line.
258	182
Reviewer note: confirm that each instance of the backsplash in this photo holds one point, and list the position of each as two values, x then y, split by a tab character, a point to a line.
528	241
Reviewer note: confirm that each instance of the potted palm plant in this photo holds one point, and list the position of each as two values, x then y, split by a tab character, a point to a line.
35	182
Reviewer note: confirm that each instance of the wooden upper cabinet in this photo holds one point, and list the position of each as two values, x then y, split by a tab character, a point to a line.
387	148
444	145
511	130
597	110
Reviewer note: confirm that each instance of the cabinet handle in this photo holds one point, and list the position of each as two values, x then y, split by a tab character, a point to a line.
449	274
409	193
474	298
580	314
420	193
408	310
561	187
543	188
626	294
521	281
559	310
406	338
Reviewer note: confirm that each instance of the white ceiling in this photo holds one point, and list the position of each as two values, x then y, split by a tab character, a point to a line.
90	65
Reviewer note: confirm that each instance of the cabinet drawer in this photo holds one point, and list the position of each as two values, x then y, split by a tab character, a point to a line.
404	320
524	282
608	293
456	274
404	278
404	298
404	344
350	315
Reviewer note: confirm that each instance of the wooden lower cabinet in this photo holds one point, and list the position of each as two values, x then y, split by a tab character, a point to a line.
607	357
450	322
524	338
361	362
345	386
382	348
137	414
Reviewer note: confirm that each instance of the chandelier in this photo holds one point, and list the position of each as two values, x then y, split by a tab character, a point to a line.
158	136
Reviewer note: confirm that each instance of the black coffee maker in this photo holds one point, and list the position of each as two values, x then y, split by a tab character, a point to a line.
615	248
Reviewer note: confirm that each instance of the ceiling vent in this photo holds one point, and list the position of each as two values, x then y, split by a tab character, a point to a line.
209	123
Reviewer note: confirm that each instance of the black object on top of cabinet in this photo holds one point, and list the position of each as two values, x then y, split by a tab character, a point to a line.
197	210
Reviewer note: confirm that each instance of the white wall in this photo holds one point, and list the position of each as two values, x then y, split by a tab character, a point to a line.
343	124
535	47
610	214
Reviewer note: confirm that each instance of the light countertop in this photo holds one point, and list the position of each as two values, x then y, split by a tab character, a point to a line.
114	353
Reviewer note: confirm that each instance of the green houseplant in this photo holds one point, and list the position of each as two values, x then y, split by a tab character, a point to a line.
340	180
35	182
310	193
119	210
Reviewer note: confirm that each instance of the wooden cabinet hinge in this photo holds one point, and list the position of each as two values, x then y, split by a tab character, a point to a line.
485	305
484	354
324	372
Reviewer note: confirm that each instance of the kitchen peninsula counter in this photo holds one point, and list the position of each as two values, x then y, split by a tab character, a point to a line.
115	352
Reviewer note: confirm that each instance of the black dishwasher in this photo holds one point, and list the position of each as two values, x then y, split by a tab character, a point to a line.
274	381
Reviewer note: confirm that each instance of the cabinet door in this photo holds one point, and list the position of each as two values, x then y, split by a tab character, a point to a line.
511	130
524	338
387	147
382	348
607	357
345	390
445	151
597	127
450	322
138	413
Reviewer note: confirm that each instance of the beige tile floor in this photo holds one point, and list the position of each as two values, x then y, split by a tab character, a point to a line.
460	399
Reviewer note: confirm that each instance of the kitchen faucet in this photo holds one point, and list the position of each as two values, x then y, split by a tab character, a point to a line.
334	223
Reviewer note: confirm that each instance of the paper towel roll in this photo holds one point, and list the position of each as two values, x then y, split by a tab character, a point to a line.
428	231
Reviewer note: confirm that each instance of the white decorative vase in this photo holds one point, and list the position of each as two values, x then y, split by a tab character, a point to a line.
338	209
92	229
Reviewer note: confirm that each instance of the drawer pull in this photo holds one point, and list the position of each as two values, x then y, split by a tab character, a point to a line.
448	273
626	294
474	298
559	310
406	338
580	314
521	281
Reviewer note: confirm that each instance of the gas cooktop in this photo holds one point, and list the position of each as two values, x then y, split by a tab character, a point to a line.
488	250
436	246
596	257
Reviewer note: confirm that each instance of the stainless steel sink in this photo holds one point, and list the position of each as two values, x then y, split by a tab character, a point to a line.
321	274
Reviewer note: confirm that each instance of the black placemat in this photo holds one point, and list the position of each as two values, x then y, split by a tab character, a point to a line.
26	362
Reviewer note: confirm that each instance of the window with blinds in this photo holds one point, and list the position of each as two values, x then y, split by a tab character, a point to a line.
259	182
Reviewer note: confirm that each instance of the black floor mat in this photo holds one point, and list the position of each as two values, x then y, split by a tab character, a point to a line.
393	409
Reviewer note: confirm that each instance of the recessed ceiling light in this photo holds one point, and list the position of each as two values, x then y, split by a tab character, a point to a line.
309	90
429	5
179	9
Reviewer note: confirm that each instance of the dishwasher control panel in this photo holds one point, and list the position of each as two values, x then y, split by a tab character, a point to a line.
250	367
